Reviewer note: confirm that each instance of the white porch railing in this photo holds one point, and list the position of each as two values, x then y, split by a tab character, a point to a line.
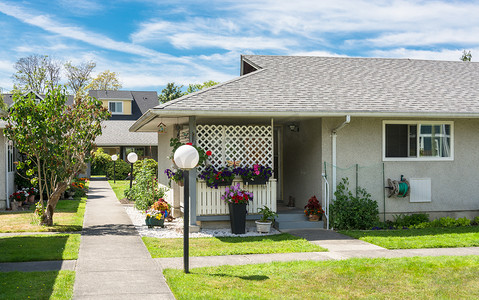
208	200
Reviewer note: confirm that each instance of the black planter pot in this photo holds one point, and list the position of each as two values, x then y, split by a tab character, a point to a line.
238	218
224	183
255	181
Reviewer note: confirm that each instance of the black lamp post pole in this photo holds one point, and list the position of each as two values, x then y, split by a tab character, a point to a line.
114	171
186	218
131	176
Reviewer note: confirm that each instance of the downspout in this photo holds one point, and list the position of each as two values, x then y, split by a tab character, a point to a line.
334	134
7	199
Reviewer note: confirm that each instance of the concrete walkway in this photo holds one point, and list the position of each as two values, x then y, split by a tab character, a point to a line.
113	262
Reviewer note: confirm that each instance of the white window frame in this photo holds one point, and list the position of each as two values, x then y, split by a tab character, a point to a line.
116	112
419	158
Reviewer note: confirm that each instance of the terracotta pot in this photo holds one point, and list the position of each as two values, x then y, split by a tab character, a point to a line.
314	218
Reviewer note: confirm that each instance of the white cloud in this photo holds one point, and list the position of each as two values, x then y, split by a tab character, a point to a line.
317	53
443	54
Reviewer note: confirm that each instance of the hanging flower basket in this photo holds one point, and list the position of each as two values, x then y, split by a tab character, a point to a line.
255	181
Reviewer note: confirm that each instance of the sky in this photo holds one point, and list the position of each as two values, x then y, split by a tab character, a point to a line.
150	43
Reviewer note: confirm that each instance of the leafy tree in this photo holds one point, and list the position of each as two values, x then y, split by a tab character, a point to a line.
99	162
37	73
198	86
466	55
56	139
106	80
3	105
170	92
79	76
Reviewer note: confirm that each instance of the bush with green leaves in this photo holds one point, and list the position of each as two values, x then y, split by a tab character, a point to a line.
401	220
122	168
145	163
99	162
444	222
145	191
353	212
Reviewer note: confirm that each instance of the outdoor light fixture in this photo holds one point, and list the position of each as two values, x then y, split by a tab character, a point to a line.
114	157
293	127
186	158
132	158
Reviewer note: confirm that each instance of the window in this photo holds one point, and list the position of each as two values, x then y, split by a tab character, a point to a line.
416	140
115	107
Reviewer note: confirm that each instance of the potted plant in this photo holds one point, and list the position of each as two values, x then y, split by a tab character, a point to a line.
313	209
176	176
263	225
237	199
156	214
258	174
215	178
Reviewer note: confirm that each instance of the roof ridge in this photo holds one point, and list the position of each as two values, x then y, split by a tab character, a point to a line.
185	97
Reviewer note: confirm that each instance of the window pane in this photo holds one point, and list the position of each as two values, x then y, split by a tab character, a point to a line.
435	140
396	140
412	140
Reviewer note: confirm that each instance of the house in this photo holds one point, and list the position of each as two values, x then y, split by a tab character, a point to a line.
126	107
328	118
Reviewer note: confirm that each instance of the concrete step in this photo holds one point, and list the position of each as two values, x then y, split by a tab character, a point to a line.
291	217
299	224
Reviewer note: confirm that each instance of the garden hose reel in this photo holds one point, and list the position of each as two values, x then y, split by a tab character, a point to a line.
398	188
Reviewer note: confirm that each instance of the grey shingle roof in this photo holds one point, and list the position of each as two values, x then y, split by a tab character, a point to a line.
338	84
142	101
115	133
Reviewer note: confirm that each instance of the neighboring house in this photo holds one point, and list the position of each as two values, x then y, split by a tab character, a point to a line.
368	119
126	107
7	168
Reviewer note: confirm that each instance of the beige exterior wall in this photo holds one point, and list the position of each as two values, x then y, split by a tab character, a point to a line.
454	187
3	166
302	163
164	150
126	105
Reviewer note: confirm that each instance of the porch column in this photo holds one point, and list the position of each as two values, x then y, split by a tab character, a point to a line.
192	173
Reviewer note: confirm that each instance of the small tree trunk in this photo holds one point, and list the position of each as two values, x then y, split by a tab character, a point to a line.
47	218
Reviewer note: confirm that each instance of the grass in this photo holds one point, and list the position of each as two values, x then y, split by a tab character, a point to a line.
39	247
447	237
399	278
119	187
37	285
281	243
68	216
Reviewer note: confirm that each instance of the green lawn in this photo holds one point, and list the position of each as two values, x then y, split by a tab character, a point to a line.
39	247
68	216
281	243
447	237
119	187
37	285
401	278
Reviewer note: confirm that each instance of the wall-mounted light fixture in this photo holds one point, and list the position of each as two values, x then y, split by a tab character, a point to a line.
293	127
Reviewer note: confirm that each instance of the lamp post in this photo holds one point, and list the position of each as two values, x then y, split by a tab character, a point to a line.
114	157
186	158
132	158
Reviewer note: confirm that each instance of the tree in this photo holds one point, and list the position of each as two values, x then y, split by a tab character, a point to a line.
55	137
170	92
106	80
37	73
198	86
466	55
79	76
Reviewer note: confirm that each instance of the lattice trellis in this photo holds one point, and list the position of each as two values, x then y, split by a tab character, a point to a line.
248	144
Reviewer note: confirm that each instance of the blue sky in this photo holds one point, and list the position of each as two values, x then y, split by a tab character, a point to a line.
150	43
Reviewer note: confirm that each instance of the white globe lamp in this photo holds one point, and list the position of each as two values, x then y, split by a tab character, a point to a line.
186	157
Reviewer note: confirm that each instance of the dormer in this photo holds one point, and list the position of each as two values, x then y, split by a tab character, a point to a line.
117	102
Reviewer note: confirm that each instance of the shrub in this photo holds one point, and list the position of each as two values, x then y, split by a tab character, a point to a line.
401	221
351	212
476	220
145	163
145	191
99	162
444	222
122	169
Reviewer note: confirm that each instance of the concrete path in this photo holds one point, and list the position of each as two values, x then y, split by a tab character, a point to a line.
113	262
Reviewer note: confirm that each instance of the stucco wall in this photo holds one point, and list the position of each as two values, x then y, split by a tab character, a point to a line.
455	191
3	166
164	150
302	163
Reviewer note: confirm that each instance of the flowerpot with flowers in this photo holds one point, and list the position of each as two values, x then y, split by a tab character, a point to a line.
156	214
263	225
258	174
313	210
237	200
175	175
215	178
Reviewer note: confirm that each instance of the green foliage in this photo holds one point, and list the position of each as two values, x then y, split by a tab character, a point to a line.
197	87
444	222
145	191
122	168
476	220
106	80
170	92
148	163
401	220
351	212
99	162
37	73
267	214
466	55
